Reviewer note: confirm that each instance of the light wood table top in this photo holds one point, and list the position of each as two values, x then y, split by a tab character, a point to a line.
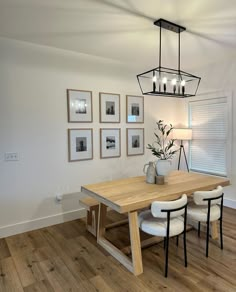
129	194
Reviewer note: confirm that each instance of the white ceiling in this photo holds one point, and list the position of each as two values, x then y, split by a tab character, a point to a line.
123	30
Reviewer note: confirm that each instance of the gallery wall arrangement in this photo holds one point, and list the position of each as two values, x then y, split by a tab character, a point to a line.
80	110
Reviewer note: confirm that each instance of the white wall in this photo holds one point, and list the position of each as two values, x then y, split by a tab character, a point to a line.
33	122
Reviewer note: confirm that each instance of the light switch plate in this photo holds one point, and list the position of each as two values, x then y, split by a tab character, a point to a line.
11	156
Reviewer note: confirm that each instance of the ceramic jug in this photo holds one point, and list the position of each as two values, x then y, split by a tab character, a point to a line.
150	172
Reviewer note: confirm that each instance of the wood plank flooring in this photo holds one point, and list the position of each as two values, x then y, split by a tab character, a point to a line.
65	257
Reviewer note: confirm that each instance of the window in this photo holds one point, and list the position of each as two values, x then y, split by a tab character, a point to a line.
210	145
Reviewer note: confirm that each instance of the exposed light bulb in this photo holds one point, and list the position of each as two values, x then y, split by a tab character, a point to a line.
183	86
174	84
154	80
164	80
174	81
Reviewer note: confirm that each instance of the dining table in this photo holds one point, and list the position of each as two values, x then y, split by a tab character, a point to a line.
132	194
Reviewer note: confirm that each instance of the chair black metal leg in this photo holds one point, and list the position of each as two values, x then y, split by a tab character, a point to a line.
167	243
166	238
167	248
208	227
221	234
185	248
199	228
177	240
221	217
208	220
207	239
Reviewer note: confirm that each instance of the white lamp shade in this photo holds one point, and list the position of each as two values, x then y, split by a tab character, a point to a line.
182	134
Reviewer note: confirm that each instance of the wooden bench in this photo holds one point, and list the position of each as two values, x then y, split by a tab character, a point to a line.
92	207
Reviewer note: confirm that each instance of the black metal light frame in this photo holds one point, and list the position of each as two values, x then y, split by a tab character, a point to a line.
182	79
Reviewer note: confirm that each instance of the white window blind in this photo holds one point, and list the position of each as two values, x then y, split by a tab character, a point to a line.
208	148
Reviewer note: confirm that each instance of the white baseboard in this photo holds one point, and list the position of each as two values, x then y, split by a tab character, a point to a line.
60	218
230	203
41	222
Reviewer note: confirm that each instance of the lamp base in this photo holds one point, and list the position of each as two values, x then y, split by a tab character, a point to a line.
180	152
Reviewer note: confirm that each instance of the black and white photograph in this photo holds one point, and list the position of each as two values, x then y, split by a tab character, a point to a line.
79	106
109	143
135	141
134	109
109	106
80	144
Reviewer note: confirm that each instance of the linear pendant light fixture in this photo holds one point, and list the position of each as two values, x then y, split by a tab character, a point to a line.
162	81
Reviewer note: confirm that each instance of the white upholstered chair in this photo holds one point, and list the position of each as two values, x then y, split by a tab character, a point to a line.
165	219
204	208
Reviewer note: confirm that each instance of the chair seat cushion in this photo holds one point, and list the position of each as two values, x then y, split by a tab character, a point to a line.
199	212
158	226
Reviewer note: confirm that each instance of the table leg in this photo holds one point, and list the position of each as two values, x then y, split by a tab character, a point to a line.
214	231
89	219
102	221
135	266
135	243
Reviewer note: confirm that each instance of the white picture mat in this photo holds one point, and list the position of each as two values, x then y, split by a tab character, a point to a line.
80	133
111	152
131	137
75	97
135	102
109	97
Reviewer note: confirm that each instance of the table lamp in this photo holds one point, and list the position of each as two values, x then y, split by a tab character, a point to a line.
182	134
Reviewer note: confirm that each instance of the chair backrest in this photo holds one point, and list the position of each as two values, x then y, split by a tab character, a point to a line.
159	208
201	197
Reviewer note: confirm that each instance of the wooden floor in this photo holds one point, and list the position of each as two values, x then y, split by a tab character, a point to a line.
65	257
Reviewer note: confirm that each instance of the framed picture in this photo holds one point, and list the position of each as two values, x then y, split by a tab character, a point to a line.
80	143
134	109
79	106
135	141
109	143
109	107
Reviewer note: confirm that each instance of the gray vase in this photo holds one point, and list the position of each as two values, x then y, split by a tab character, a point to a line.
150	172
